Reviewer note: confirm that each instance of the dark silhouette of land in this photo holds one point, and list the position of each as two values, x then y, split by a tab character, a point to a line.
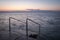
28	10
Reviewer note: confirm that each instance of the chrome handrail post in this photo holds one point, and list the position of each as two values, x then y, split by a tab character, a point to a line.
9	28
27	29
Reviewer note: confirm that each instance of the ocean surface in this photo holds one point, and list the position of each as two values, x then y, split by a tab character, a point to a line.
49	24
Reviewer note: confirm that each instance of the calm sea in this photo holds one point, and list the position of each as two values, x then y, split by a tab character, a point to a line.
49	23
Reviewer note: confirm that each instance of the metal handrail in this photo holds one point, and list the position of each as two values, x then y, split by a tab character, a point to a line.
16	19
27	27
10	25
33	21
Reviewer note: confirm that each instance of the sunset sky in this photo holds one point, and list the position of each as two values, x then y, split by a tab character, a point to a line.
29	4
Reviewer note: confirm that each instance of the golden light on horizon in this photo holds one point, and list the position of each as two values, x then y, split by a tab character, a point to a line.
29	4
17	7
24	7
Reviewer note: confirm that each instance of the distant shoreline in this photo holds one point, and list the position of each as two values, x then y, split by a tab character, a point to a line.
34	11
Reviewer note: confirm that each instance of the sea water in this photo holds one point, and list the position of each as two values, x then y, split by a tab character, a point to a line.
49	23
